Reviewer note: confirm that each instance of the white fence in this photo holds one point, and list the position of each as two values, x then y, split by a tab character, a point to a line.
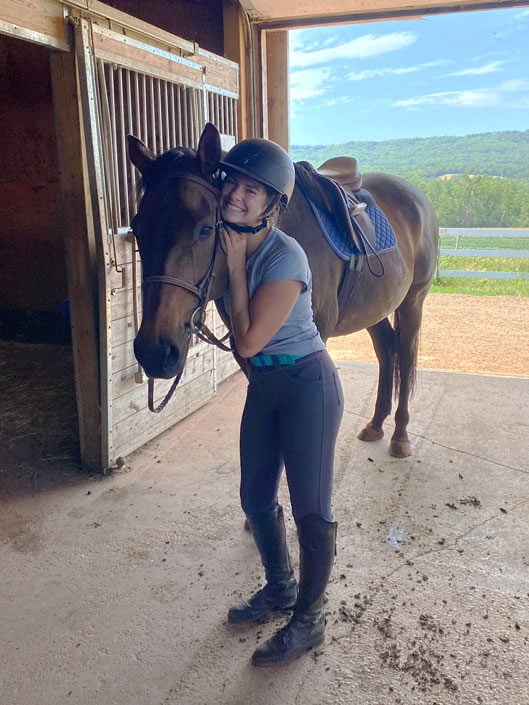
461	251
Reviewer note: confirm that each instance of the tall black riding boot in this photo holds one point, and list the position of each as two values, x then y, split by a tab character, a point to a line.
317	539
281	590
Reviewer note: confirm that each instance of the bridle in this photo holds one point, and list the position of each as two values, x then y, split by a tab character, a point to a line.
196	324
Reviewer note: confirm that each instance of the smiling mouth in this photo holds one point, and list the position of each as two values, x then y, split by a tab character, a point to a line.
230	207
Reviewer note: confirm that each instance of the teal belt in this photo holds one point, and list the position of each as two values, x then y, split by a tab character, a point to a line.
274	360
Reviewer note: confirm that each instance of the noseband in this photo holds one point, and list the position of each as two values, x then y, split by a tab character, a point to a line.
196	324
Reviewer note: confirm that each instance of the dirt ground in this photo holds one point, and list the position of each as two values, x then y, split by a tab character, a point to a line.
461	333
116	588
39	444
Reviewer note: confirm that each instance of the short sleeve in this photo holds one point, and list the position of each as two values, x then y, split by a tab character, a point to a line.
288	262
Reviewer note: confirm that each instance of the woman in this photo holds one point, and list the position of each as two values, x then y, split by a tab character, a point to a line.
294	402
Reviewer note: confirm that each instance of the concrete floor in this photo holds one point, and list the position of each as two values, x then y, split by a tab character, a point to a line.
115	590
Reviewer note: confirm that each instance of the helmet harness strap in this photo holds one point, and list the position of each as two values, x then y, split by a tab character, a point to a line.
247	228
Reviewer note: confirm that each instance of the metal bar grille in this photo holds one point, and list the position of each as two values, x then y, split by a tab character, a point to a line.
163	114
223	113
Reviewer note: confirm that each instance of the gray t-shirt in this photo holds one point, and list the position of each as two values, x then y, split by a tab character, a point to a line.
282	257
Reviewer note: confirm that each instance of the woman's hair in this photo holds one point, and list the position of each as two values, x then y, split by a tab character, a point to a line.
276	205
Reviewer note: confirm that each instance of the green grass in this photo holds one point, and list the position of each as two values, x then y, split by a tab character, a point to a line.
485	264
484	287
485	243
481	287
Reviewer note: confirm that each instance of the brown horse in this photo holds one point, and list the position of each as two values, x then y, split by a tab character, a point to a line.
177	229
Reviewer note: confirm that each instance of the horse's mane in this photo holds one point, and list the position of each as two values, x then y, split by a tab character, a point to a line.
166	165
172	163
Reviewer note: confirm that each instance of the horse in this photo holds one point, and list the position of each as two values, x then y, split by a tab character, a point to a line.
177	228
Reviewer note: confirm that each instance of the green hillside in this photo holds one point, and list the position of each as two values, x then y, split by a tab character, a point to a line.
504	154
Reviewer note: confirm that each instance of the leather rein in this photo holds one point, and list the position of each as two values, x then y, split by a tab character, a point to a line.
196	324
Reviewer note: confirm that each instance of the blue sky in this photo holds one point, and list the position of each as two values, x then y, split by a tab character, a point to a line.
455	74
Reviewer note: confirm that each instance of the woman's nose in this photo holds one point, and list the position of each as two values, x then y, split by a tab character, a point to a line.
236	192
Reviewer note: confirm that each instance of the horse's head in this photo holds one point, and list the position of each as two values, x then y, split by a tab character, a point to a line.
176	229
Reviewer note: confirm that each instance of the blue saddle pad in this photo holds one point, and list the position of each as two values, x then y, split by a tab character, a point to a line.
341	243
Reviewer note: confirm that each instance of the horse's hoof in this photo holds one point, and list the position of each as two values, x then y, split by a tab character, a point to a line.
370	434
400	449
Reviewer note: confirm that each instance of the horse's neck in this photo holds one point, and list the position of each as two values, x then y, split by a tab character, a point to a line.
298	222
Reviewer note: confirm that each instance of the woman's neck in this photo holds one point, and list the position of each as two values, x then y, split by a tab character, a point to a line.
254	242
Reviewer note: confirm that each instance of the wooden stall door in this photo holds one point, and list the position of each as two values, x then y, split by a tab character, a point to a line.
164	96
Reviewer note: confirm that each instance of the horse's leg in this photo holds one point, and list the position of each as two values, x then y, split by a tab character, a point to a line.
408	319
385	345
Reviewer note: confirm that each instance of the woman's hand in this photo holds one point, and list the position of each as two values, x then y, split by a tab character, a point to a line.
234	245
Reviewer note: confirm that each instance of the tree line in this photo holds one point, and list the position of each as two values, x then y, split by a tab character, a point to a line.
473	181
473	201
504	154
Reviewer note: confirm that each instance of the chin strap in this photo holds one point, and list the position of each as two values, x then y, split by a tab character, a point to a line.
246	228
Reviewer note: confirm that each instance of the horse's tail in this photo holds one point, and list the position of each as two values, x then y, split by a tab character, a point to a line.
412	369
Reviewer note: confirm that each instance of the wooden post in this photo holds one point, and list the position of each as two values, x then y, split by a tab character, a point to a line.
275	88
88	106
80	255
238	47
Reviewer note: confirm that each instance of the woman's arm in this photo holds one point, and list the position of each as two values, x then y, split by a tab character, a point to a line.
256	321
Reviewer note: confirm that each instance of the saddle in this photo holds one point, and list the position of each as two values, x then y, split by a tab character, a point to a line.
343	170
336	187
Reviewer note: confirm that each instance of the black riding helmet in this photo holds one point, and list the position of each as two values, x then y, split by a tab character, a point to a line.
264	161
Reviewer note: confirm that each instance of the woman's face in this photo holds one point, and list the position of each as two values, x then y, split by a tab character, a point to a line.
243	200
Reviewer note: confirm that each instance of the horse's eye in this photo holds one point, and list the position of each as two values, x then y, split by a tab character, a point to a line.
204	232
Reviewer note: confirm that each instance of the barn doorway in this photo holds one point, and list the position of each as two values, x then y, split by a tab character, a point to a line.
39	435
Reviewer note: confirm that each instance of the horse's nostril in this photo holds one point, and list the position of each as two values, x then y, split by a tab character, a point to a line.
172	356
159	358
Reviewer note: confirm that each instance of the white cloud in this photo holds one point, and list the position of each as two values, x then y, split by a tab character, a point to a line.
300	40
363	47
491	67
515	84
513	94
308	84
516	23
338	101
377	73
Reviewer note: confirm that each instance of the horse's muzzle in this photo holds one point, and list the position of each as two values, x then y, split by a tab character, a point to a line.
160	359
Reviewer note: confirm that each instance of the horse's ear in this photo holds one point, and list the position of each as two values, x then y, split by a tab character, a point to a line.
139	154
209	150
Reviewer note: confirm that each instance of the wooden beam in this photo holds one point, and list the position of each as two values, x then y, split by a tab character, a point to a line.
275	83
38	21
80	256
278	14
238	40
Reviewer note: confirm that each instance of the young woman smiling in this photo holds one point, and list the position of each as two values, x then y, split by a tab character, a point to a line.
294	402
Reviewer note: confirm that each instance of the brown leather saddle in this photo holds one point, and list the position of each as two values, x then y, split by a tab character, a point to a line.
334	188
343	170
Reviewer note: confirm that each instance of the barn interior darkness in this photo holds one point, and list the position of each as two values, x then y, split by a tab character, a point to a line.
195	20
38	414
33	288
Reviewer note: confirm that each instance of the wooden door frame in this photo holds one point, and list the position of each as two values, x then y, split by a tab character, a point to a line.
81	265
